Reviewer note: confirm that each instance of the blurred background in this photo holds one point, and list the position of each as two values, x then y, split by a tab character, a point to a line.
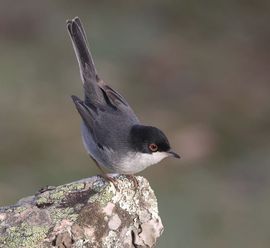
199	70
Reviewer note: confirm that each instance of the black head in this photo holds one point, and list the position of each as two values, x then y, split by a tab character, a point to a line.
147	139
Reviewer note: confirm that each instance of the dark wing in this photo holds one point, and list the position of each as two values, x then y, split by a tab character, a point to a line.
109	127
112	97
87	114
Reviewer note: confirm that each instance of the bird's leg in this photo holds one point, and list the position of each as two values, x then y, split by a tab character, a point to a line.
104	174
134	180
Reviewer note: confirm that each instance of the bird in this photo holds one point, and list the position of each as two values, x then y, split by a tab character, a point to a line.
112	134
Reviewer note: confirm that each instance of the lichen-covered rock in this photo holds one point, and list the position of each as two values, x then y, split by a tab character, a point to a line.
87	213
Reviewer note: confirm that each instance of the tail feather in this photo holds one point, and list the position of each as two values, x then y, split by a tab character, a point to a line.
79	23
87	67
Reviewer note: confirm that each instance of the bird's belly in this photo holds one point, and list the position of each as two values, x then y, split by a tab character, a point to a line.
134	162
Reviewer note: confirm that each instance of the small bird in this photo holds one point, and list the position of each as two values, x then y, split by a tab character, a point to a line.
111	132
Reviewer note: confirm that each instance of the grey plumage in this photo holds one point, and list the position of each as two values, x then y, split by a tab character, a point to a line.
103	109
111	132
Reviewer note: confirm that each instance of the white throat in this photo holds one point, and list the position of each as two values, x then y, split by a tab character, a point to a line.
135	162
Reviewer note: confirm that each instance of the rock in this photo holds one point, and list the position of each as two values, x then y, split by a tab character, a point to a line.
86	213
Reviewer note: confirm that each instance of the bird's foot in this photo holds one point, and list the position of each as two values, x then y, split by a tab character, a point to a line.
134	180
110	179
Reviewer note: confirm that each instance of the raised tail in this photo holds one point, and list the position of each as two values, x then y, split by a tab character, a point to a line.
87	67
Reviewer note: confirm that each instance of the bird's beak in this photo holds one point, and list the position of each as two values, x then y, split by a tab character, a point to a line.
174	154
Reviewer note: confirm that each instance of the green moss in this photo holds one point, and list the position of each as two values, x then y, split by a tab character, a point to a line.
60	191
104	194
59	214
2	241
77	186
20	209
58	194
24	235
42	201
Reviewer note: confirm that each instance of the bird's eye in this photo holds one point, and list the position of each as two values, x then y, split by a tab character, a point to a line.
153	147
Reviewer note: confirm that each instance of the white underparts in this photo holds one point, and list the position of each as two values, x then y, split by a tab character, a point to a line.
135	162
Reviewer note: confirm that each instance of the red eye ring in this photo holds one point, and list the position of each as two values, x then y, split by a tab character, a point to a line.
153	147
